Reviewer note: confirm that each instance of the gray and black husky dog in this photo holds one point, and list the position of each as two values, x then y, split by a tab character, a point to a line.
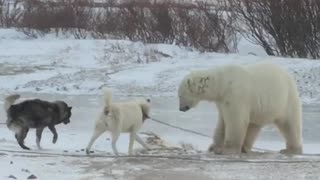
36	114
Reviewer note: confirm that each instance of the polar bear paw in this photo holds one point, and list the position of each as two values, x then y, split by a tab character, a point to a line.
245	149
231	151
291	151
216	149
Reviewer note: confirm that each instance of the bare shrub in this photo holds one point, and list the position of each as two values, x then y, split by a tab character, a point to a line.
10	12
202	26
286	28
62	16
108	23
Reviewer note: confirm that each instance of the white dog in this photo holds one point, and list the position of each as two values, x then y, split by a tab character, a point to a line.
121	117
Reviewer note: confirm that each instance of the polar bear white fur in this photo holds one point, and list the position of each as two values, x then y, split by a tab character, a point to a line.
247	98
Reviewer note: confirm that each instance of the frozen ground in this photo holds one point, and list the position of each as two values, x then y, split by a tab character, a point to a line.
67	160
75	70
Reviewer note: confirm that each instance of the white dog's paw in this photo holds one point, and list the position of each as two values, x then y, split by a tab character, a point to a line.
88	151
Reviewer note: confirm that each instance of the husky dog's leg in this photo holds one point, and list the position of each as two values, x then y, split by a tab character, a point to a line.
39	134
54	132
115	136
20	136
97	133
140	141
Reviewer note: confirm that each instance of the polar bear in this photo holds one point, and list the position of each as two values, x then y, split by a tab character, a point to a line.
247	98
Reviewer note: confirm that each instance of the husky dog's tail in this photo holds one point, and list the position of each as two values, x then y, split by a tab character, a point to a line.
10	100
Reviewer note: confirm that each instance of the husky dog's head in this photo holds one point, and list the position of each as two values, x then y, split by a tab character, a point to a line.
65	112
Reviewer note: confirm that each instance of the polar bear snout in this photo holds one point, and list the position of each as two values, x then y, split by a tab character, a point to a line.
184	109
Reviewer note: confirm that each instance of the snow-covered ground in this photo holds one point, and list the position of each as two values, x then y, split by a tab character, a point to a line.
76	70
69	66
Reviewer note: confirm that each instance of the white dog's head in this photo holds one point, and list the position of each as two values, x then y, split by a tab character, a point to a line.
145	107
186	93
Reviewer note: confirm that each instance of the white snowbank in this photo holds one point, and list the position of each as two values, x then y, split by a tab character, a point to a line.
69	66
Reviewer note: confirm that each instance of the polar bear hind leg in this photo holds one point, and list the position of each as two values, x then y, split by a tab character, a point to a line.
291	126
292	135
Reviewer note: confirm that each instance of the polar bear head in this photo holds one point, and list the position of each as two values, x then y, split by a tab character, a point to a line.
187	93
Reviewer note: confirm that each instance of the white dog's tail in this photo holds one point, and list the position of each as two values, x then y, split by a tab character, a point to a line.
107	96
10	100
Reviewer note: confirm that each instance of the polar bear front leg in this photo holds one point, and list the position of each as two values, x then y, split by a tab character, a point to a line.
252	133
236	120
218	137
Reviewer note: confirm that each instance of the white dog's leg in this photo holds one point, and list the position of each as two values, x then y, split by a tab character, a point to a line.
115	137
96	134
131	141
140	141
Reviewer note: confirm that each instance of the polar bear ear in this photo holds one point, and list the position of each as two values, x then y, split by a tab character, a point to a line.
190	85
